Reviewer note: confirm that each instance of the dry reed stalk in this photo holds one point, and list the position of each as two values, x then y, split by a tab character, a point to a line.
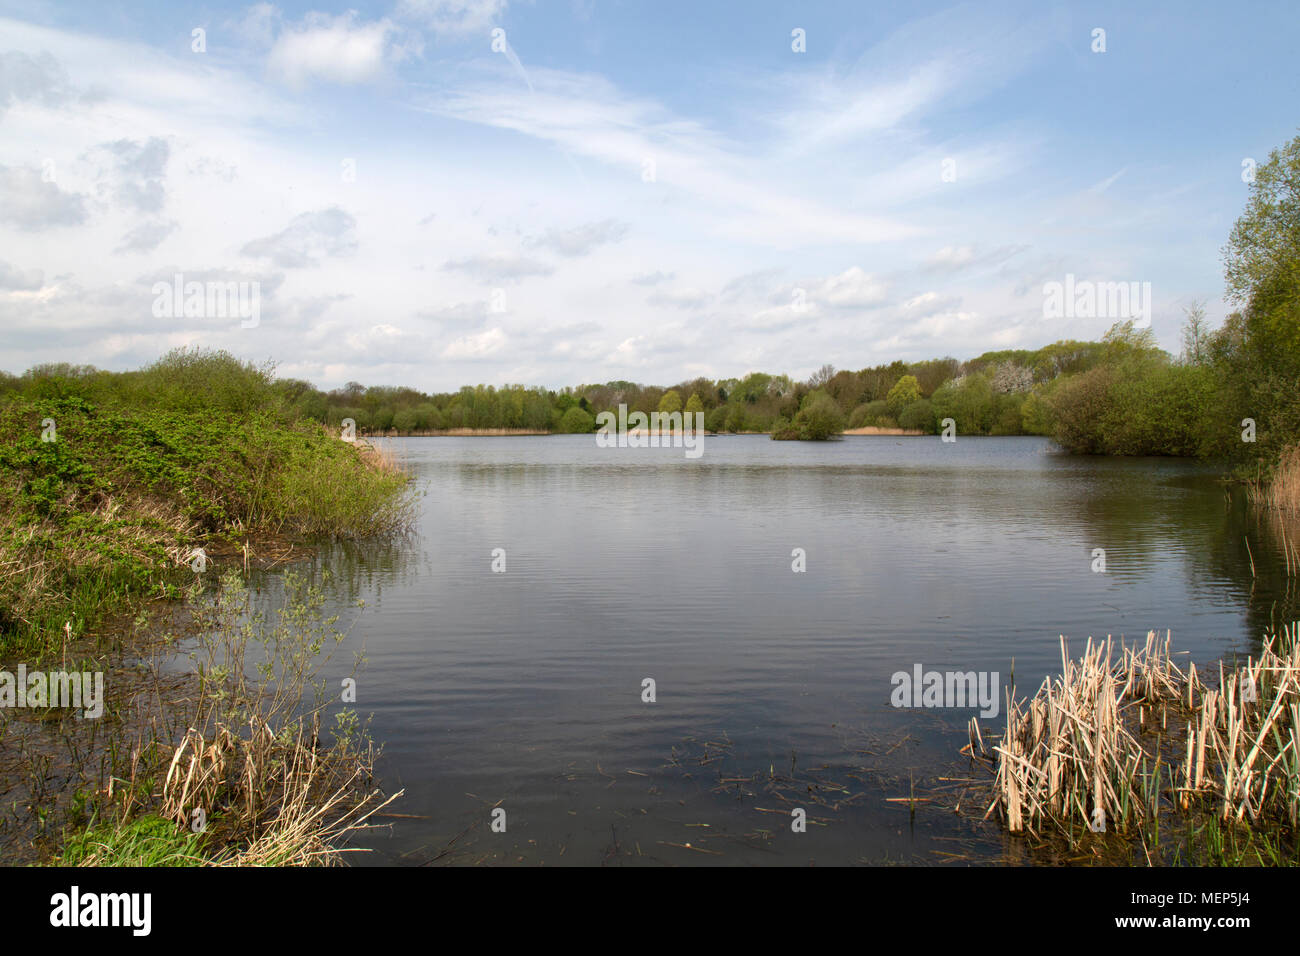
1076	744
1282	492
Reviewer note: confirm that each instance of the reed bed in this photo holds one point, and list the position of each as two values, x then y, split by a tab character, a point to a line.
458	433
1276	503
1282	491
1124	735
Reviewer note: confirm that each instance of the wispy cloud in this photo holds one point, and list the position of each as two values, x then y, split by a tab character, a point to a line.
580	240
32	203
309	238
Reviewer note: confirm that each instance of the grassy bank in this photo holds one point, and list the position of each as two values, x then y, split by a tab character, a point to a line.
110	485
120	489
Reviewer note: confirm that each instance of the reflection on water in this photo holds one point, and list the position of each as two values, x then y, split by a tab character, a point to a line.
524	688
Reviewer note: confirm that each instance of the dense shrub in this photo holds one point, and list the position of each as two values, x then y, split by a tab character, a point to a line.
576	422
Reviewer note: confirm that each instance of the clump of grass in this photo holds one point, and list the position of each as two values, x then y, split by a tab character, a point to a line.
145	841
1121	739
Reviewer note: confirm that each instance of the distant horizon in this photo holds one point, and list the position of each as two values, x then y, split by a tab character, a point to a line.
594	383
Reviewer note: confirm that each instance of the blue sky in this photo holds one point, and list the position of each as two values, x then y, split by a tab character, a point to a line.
650	191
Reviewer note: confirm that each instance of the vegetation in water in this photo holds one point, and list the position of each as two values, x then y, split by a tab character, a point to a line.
253	760
1125	744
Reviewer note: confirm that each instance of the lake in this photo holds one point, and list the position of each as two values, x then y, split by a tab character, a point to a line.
522	689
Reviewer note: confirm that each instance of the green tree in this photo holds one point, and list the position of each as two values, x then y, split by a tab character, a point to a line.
858	417
1263	250
919	415
404	419
671	402
1258	352
427	416
736	418
905	391
1078	407
1036	414
969	401
716	419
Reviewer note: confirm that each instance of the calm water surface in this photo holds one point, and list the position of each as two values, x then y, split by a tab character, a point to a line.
523	689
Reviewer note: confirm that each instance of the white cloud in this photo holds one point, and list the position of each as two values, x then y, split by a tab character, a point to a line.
32	204
334	49
689	298
581	240
952	257
258	24
499	268
40	78
475	346
21	280
147	236
140	169
309	238
851	289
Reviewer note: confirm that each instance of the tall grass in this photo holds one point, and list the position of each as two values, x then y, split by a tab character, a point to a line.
1281	491
1276	502
146	841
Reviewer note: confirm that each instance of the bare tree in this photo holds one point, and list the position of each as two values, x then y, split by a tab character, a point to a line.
1196	334
822	376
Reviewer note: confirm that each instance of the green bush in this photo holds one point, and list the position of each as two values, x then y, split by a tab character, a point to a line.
871	415
919	415
576	422
819	418
108	511
198	379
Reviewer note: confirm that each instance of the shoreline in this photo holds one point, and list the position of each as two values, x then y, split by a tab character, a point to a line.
529	432
877	430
